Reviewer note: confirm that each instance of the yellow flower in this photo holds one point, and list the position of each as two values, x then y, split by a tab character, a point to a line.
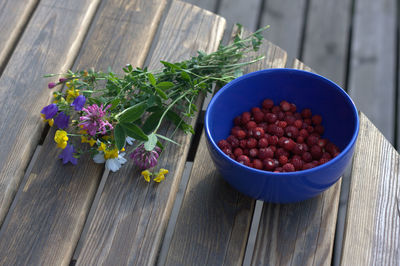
50	121
123	149
102	147
161	175
61	138
72	94
110	154
146	174
90	141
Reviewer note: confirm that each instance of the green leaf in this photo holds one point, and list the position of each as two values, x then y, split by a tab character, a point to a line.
119	136
161	93
152	122
134	131
114	103
159	144
151	143
185	76
153	101
170	65
168	139
165	85
152	79
132	113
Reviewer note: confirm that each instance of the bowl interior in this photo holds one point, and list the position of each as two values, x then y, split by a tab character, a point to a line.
305	89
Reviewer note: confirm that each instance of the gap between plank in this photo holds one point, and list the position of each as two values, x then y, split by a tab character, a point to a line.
162	258
20	189
251	241
397	82
349	42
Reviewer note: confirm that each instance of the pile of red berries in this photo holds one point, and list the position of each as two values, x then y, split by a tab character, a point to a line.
278	138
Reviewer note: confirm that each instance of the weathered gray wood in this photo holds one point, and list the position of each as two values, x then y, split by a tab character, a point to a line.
49	44
301	233
243	12
50	212
372	65
214	220
372	232
286	18
14	14
210	5
325	46
132	215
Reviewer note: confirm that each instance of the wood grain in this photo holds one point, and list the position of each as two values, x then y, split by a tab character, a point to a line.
372	65
214	220
49	44
50	212
286	18
325	45
130	221
243	12
372	230
14	14
301	233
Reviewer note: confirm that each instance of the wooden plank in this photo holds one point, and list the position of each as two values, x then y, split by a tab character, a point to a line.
51	209
132	215
50	44
372	64
373	217
214	220
325	46
286	18
210	5
301	233
243	12
14	14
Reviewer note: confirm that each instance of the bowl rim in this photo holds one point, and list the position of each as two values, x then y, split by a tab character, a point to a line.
348	147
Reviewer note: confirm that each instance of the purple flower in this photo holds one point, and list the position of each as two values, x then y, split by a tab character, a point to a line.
93	121
79	102
67	155
145	159
62	80
50	110
51	85
61	120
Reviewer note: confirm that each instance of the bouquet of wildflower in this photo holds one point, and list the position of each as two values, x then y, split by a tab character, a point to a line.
106	111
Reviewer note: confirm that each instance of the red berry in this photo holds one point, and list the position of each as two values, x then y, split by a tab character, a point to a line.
245	118
298	123
269	164
258	117
307	166
316	119
246	151
288	167
322	143
227	151
258	132
300	139
251	143
267	103
240	134
223	144
279	132
316	152
282	124
283	159
243	159
273	140
326	155
310	129
255	110
307	157
297	115
285	106
237	152
270	117
280	151
265	153
297	163
251	124
299	149
319	129
292	132
263	143
290	119
234	141
236	121
312	140
289	144
293	107
242	143
258	164
253	152
306	113
304	133
235	129
323	160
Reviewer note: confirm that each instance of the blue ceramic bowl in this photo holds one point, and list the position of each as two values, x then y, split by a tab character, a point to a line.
306	90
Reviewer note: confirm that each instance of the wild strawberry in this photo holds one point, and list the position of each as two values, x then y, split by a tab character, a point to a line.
288	167
307	166
240	134
293	107
251	143
237	152
300	139
292	132
223	144
237	120
269	164
306	113
233	141
281	115
283	159
297	163
319	129
307	157
242	143
298	123
258	132
270	117
322	143
289	144
245	118
243	159
267	103
263	143
258	117
304	133
276	109
290	119
312	140
316	152
273	140
227	151
297	115
323	160
258	164
316	119
265	153
255	110
251	124
281	151
253	152
285	106
299	149
282	124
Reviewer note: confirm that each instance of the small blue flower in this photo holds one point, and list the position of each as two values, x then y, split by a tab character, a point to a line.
67	155
49	111
79	102
61	120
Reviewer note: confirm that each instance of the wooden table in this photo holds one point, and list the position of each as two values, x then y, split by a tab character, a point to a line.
51	214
